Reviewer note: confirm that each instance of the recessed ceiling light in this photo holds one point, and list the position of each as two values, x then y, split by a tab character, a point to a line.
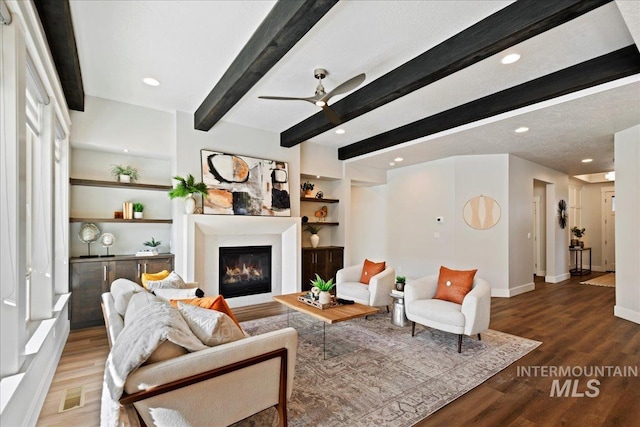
151	81
398	159
318	176
126	150
392	164
522	129
587	160
340	131
510	59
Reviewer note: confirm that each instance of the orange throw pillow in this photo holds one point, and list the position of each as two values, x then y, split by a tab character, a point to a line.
370	269
453	285
212	303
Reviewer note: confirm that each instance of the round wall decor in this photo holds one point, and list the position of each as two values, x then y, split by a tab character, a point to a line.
481	212
562	213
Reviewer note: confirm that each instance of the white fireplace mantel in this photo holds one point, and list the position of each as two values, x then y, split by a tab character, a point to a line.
203	232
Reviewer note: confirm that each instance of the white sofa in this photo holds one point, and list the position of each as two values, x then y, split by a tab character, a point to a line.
375	294
213	387
469	318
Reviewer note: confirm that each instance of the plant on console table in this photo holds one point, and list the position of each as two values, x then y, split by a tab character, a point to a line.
578	232
185	189
313	229
324	288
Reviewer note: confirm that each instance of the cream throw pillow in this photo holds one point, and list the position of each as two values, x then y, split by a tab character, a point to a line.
210	326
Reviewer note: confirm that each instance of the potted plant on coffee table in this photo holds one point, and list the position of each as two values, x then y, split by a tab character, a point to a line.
324	287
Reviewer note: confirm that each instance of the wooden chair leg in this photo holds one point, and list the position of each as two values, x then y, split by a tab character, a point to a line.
413	329
388	309
460	343
479	337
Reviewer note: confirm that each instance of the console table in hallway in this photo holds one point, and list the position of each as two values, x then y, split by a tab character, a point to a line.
578	254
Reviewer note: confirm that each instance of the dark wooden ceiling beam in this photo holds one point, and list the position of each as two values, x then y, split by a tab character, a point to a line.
606	68
505	28
283	27
55	16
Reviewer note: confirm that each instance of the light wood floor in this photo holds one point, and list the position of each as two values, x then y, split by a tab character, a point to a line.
574	322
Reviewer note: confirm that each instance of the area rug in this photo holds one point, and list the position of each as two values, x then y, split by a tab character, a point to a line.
608	280
377	374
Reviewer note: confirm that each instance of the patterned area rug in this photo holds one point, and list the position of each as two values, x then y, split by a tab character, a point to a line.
377	374
608	280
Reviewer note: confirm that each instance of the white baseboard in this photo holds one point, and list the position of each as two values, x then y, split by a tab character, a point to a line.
512	292
556	279
626	314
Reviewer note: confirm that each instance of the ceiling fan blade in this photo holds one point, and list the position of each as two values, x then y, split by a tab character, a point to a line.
331	115
350	84
311	99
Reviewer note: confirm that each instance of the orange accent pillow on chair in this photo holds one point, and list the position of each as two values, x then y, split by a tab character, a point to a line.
454	285
370	269
212	303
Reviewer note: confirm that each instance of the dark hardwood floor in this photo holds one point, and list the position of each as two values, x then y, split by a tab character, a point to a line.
574	322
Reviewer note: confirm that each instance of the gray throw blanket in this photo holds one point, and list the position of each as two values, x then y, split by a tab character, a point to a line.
137	341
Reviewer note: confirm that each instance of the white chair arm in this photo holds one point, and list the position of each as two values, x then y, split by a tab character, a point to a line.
422	288
349	274
380	286
476	308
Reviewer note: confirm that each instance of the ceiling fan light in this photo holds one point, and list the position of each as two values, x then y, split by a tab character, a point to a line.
320	103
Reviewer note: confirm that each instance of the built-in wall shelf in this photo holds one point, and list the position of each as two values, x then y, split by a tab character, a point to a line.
313	199
116	184
137	221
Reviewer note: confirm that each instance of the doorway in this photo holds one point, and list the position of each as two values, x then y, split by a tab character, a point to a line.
608	228
539	228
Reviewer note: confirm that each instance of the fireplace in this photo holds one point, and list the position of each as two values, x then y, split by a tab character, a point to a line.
244	270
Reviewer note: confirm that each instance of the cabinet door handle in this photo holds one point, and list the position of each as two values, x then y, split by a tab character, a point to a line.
138	270
145	268
330	256
104	273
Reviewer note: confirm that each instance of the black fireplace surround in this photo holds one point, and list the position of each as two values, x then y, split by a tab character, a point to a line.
244	270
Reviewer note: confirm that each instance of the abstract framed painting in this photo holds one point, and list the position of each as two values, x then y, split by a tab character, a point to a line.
242	185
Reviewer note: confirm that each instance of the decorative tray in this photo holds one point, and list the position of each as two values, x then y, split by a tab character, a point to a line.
316	304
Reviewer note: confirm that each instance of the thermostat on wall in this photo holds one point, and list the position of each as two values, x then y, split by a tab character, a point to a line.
440	219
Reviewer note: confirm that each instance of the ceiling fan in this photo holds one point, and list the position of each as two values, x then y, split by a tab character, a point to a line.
321	98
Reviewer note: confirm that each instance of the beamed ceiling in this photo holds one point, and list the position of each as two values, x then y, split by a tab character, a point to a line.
435	86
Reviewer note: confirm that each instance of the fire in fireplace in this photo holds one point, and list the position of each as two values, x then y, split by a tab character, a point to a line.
244	270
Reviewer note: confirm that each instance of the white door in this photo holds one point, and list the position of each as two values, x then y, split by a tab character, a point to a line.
609	227
536	233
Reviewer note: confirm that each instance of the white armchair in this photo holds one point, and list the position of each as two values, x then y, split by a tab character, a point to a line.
469	318
375	294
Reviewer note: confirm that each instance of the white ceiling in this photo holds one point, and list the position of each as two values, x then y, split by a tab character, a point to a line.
188	45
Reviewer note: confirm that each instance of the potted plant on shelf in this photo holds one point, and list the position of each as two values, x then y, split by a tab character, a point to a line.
324	287
186	188
313	229
400	281
124	173
578	232
137	210
307	188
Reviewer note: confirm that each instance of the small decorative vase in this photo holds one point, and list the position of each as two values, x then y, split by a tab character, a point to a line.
137	215
315	239
325	297
124	178
400	286
189	204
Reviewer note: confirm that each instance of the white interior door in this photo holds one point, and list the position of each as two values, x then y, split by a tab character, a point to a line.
536	234
609	227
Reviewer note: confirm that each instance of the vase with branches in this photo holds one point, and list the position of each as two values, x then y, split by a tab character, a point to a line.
578	232
185	189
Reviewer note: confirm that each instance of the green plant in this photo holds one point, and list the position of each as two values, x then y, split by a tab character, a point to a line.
313	229
306	186
153	243
401	279
187	186
118	170
322	285
138	207
578	232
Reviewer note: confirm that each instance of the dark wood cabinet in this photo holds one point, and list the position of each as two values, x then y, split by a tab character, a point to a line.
325	261
90	277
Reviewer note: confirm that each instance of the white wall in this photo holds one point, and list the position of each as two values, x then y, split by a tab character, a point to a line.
229	138
521	175
627	154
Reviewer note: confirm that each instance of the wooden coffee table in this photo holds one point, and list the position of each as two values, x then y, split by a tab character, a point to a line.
328	316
